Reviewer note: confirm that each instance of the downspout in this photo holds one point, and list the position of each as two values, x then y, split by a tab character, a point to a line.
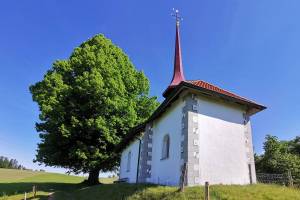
138	162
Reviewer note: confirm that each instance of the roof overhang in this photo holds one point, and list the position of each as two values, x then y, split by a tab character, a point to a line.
251	106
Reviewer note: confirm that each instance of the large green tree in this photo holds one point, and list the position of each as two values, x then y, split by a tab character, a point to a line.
87	104
279	157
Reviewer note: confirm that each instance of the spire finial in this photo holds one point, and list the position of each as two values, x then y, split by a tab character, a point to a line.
177	16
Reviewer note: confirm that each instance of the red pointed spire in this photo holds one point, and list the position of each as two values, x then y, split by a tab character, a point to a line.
178	75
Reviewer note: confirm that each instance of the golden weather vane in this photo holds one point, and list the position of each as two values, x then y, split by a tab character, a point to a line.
177	16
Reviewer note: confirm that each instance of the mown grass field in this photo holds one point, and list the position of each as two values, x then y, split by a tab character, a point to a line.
14	183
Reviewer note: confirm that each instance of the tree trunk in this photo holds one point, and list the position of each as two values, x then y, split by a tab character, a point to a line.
93	178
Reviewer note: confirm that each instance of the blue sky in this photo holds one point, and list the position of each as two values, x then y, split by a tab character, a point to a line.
248	47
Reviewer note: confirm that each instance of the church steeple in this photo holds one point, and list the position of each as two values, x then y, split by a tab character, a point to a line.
178	69
178	75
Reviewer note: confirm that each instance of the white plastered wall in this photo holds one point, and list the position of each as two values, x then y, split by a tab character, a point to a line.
167	172
131	174
222	150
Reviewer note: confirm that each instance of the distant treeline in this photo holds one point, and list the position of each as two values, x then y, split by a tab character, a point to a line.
10	163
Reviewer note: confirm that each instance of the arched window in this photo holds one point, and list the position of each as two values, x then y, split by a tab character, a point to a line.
165	147
128	161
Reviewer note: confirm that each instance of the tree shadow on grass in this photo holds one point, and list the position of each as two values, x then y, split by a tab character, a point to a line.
22	187
74	191
40	197
119	191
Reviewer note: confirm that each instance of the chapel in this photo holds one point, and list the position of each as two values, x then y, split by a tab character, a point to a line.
199	133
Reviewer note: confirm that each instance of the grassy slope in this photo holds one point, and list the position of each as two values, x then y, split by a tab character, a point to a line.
67	187
8	175
18	182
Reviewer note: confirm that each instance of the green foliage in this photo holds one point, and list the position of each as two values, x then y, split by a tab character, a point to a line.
87	104
279	157
294	145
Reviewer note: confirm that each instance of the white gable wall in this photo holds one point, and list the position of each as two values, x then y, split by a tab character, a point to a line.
131	174
222	150
221	140
167	172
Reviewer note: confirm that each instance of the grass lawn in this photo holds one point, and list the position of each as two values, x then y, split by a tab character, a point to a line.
14	183
153	192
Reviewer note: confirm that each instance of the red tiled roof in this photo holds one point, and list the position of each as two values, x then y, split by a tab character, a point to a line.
208	86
